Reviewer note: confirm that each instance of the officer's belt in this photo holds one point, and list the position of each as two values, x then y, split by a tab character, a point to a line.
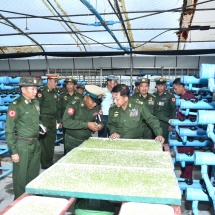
27	139
48	115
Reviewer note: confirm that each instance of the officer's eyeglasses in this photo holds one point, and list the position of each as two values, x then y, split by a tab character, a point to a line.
32	88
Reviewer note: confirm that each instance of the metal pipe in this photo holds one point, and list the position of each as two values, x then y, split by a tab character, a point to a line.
197	105
195	207
209	186
205	117
196	194
207	71
186	122
199	132
204	158
95	12
195	143
193	80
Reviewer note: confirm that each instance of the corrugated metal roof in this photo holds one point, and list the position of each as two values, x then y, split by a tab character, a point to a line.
92	27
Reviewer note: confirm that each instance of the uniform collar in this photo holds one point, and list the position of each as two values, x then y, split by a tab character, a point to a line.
26	101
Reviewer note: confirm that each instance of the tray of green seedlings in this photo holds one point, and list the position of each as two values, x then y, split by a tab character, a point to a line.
37	205
116	157
124	144
158	186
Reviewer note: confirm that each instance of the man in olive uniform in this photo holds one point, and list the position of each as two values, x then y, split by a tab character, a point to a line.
48	99
126	116
149	100
80	89
82	117
165	108
22	132
66	97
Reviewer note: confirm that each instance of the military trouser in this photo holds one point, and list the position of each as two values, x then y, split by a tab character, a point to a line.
28	166
147	132
71	142
47	141
165	128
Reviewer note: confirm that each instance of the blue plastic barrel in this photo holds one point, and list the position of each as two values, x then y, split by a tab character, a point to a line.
207	71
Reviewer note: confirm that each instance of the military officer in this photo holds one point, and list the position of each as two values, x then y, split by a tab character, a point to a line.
165	108
48	99
68	96
80	89
82	117
65	98
148	99
126	116
22	132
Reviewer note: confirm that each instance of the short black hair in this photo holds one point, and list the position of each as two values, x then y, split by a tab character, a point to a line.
177	81
122	89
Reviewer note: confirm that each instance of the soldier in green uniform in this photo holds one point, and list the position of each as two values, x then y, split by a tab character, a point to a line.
22	132
165	108
148	99
48	99
66	97
126	116
82	117
80	89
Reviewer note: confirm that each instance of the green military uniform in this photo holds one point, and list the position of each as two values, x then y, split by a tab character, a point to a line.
75	121
22	132
48	100
66	98
165	109
149	101
128	123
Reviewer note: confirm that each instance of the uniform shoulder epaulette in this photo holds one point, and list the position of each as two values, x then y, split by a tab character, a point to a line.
152	95
40	89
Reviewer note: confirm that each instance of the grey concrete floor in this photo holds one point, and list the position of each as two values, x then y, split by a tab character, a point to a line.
6	189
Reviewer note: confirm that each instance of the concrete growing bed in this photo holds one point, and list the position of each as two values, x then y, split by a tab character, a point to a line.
123	144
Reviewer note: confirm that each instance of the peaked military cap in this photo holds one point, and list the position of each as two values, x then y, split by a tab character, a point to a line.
112	78
30	81
80	86
160	80
70	80
143	80
94	92
53	76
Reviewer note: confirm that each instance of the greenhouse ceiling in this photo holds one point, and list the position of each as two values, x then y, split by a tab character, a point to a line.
75	28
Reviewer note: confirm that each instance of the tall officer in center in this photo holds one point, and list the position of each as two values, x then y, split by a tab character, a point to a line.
48	99
148	99
165	108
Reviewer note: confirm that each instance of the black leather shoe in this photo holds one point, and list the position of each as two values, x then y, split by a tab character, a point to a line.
189	181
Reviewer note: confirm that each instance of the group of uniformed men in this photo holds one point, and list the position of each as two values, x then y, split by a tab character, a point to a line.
141	115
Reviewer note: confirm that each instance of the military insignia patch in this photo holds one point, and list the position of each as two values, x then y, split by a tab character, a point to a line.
133	112
65	97
40	95
173	99
116	114
37	108
71	111
14	102
11	113
161	103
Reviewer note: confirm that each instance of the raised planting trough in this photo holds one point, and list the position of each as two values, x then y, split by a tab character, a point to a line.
122	144
111	157
108	183
37	205
119	170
